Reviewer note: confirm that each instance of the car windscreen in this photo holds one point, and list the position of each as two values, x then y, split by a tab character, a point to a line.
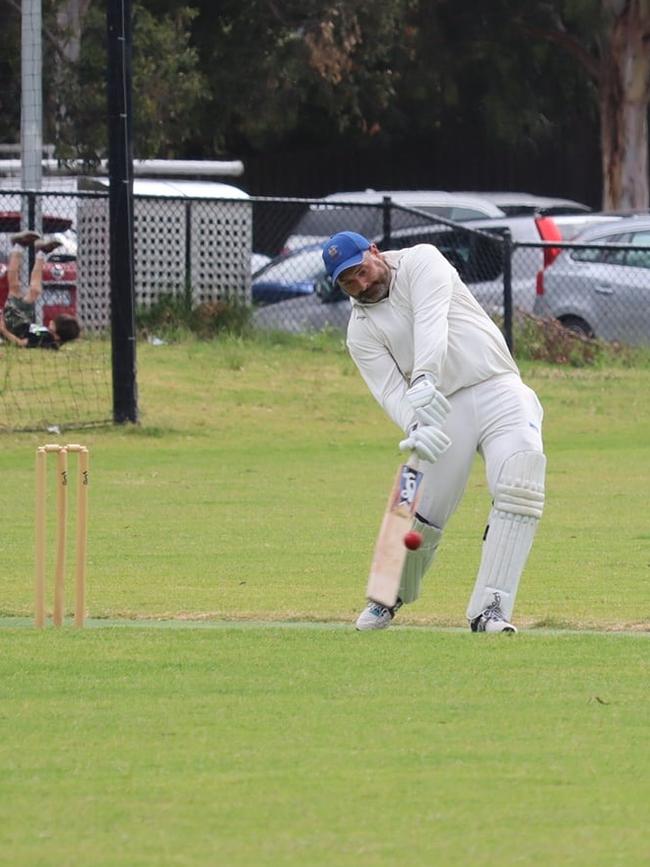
475	257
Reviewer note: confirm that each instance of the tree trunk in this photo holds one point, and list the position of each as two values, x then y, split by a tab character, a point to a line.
624	98
70	20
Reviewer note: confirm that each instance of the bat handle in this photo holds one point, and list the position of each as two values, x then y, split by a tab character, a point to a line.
413	461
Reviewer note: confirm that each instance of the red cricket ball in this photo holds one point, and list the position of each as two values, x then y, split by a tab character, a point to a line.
413	540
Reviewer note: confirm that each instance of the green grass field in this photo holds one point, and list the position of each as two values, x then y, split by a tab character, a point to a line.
220	709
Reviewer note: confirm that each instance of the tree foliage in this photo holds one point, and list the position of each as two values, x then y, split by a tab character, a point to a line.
168	86
10	72
240	77
307	68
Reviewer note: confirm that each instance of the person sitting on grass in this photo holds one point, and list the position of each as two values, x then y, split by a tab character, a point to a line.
18	320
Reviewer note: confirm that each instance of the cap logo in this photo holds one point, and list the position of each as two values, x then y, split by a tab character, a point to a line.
333	251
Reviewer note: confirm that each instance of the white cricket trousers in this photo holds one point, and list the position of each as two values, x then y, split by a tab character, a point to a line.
496	418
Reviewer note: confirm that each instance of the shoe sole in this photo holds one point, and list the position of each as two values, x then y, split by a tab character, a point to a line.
46	248
25	238
508	630
371	628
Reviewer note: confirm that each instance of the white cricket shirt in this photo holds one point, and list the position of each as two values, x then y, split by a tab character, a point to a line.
429	323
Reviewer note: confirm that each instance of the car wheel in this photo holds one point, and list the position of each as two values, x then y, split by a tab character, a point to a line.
578	325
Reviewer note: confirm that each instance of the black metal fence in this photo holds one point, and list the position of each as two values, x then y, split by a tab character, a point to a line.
265	254
71	387
598	288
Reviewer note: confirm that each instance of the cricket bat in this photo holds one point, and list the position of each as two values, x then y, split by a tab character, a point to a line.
390	552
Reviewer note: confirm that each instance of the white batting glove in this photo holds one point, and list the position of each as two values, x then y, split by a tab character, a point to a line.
431	407
427	441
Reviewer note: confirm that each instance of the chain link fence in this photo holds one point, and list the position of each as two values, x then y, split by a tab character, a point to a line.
193	249
263	256
292	292
598	289
41	389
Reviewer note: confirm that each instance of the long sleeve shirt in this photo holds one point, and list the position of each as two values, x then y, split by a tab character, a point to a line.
429	323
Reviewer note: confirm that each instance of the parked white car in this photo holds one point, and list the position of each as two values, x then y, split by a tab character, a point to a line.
341	211
523	204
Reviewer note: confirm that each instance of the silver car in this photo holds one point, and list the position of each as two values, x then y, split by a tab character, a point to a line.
599	290
299	277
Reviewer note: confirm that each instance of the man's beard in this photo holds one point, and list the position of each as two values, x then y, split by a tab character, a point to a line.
375	293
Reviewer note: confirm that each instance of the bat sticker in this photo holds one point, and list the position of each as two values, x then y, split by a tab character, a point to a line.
407	489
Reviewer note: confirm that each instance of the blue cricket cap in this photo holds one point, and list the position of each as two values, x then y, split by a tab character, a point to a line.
343	250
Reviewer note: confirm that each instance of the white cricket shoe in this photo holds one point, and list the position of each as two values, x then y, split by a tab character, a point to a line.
377	616
492	619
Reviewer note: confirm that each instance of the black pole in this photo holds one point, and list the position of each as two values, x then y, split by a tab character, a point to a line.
31	224
120	170
387	205
507	290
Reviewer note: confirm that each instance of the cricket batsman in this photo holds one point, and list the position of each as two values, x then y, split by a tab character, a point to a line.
441	370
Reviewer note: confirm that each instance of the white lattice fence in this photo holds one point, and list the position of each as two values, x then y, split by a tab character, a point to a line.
159	253
214	262
221	246
93	266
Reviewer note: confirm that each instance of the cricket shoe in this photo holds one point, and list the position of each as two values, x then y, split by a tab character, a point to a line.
46	245
492	619
377	616
25	239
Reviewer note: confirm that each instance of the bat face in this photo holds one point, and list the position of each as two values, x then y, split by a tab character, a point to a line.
390	553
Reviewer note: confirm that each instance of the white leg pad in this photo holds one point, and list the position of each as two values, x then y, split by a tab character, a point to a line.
517	508
417	562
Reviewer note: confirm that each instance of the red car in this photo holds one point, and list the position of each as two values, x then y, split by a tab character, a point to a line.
59	271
